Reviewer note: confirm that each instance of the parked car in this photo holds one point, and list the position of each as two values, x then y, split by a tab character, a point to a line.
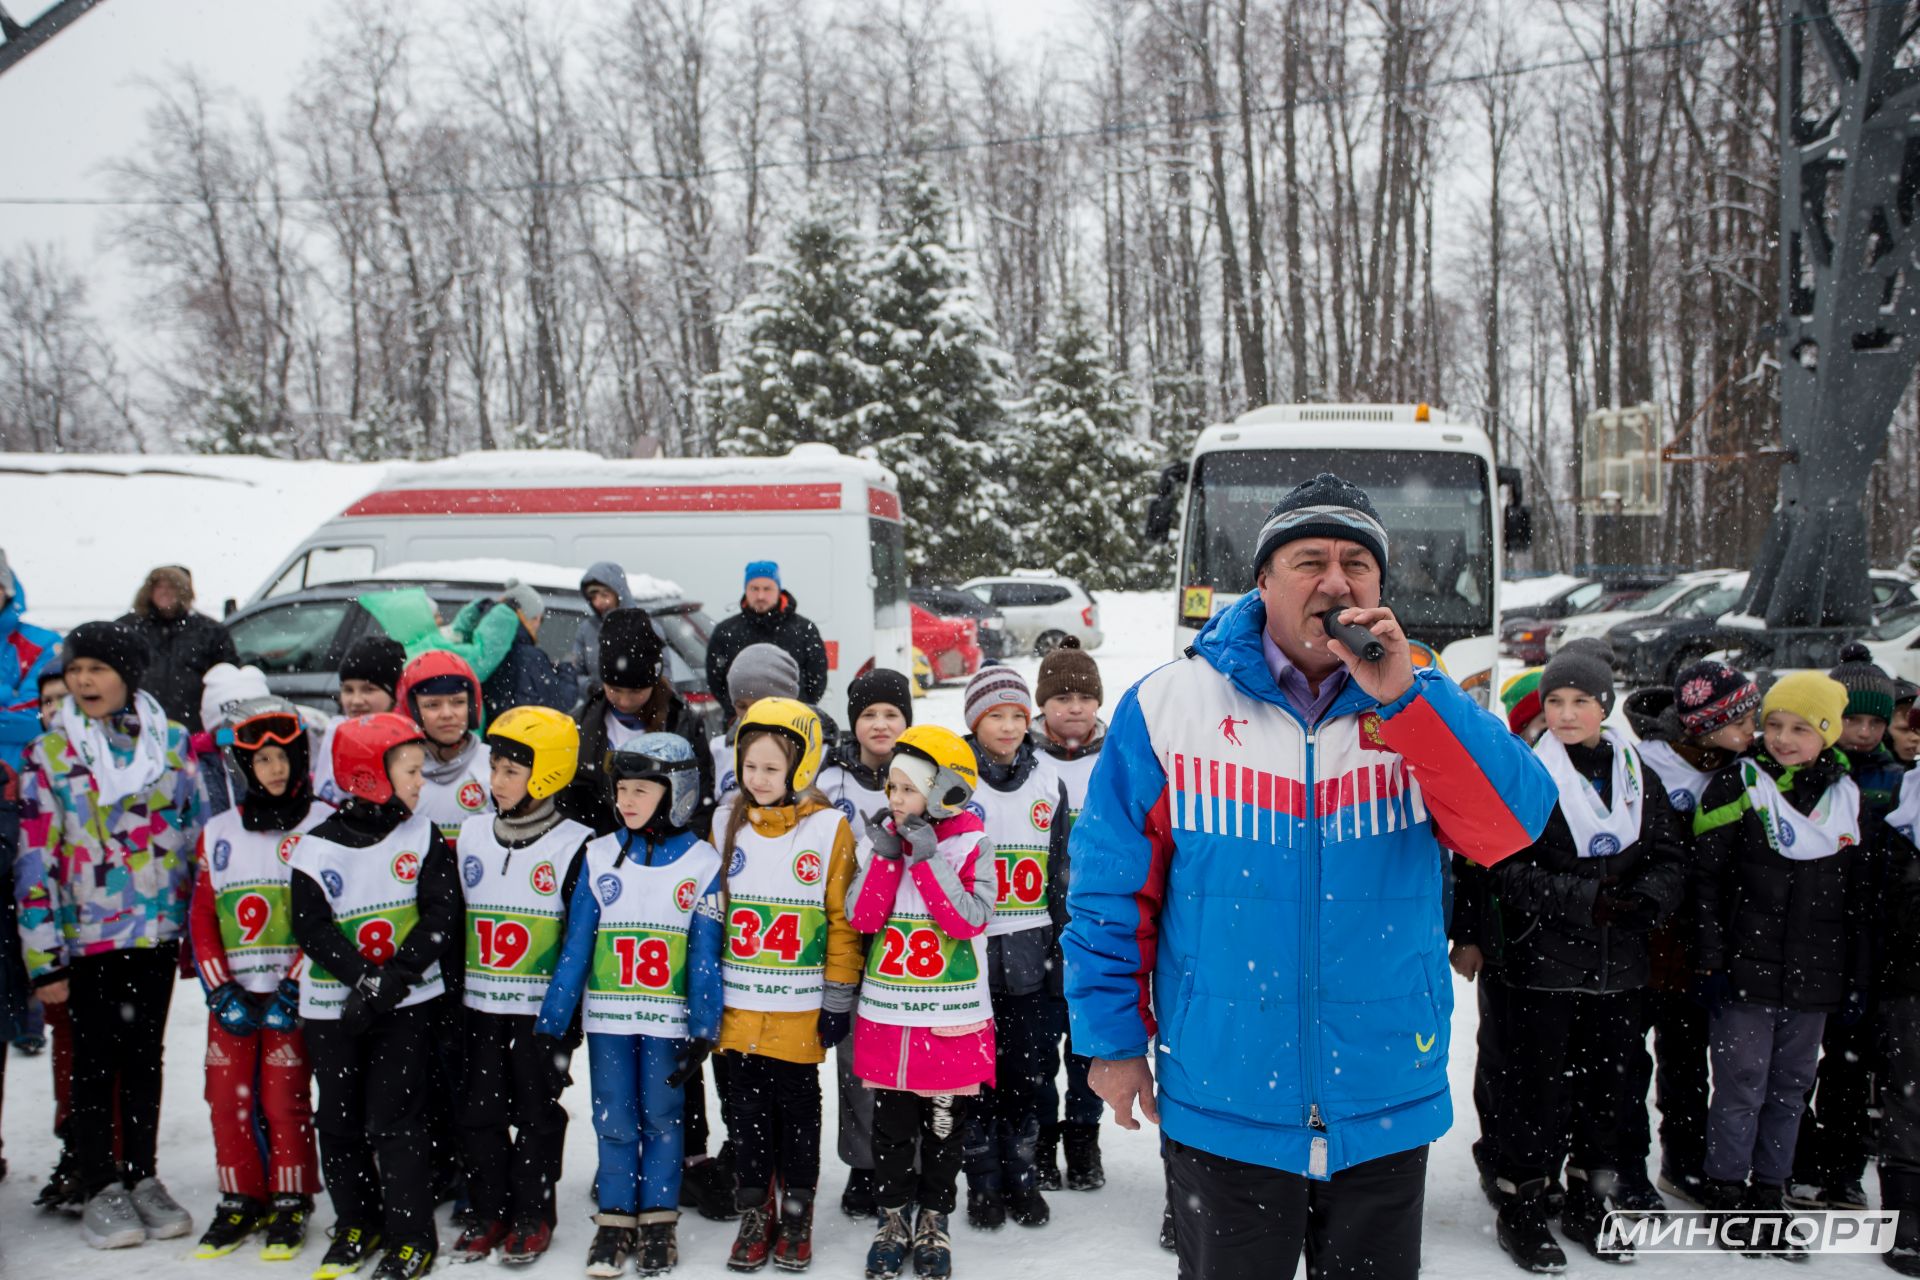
1041	609
1895	641
1655	650
298	638
996	644
1658	601
948	644
1523	631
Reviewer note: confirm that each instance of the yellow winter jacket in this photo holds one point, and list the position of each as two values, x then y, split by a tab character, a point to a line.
795	1037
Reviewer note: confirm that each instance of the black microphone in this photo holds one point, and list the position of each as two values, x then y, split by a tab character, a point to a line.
1358	640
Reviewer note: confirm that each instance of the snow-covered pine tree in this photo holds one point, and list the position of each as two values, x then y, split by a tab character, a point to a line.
936	419
798	376
1081	475
231	420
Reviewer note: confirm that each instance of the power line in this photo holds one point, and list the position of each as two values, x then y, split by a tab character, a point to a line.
1113	129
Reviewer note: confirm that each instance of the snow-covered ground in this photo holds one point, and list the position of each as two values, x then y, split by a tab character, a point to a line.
1110	1233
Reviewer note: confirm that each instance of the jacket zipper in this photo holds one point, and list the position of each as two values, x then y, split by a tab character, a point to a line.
1310	1003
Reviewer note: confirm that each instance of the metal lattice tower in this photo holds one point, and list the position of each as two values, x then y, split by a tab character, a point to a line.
1849	294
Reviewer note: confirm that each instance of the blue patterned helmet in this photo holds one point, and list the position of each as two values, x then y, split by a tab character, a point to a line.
659	757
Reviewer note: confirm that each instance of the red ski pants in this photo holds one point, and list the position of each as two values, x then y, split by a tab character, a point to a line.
270	1066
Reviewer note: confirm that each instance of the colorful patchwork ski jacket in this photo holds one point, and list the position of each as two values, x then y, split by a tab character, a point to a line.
1262	898
91	880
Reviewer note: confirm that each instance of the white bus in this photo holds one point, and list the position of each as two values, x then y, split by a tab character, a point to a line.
833	523
1433	481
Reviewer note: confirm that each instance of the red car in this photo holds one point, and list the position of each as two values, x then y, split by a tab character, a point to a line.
950	645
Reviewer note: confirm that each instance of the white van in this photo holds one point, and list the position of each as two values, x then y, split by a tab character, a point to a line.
833	523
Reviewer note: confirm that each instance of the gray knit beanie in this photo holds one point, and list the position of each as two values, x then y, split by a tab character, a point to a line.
1586	665
763	671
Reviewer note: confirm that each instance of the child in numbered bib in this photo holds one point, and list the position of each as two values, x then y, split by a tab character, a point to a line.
258	1077
854	778
439	692
1781	937
923	1042
792	970
376	906
518	866
1019	800
644	935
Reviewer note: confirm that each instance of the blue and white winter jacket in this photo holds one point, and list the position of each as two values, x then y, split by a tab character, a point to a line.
1281	884
25	651
706	992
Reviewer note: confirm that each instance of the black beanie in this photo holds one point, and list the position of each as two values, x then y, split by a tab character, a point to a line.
1586	665
377	659
877	686
1323	507
1869	689
631	651
114	643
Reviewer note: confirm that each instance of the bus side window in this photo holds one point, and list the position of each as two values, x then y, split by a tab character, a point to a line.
292	579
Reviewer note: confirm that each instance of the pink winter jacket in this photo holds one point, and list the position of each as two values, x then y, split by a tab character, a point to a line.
921	1059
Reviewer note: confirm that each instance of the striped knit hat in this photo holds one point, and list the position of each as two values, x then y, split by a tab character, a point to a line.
1324	507
996	687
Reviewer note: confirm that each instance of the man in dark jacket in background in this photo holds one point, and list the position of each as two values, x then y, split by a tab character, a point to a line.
184	643
768	615
605	589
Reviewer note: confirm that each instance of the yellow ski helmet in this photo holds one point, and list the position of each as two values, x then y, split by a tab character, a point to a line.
956	770
797	721
542	739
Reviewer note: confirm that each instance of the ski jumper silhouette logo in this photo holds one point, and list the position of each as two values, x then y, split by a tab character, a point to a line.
1228	725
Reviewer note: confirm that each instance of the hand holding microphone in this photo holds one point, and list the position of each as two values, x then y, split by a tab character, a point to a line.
1373	647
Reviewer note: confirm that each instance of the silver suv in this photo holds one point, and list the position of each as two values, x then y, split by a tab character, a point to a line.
1041	609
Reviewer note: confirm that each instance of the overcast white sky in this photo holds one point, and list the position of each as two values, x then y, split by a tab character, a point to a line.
77	102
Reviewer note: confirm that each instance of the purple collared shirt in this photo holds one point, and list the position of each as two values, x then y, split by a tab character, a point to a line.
1293	684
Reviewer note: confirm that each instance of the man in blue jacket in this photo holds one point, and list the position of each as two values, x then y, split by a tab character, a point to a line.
1257	894
25	651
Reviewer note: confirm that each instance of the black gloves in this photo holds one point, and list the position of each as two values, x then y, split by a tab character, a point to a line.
1634	912
834	1027
691	1055
379	991
555	1059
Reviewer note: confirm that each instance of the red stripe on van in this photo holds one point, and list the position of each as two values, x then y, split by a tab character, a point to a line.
588	501
883	504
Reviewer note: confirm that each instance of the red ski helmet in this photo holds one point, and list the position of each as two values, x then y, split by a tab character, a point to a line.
360	749
436	668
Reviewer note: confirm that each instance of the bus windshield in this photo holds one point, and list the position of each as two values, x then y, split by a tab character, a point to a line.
1435	506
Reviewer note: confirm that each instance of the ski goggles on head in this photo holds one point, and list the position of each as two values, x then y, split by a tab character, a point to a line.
276	728
620	764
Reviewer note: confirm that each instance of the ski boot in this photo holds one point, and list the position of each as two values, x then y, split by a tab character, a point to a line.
986	1209
1026	1206
236	1218
793	1247
409	1262
1633	1191
706	1187
888	1252
287	1228
754	1242
1522	1227
1583	1219
857	1201
613	1242
932	1247
659	1250
1084	1169
1046	1158
351	1248
479	1240
1769	1219
529	1238
62	1194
